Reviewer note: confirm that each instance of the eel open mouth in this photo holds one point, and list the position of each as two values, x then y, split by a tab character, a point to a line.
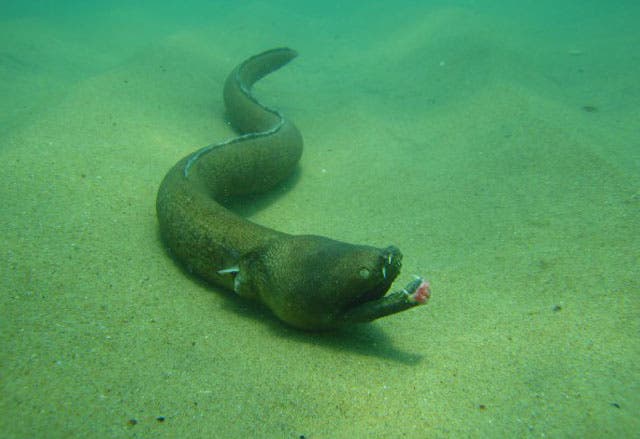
387	269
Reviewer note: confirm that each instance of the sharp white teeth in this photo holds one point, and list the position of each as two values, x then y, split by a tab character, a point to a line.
384	271
389	258
415	276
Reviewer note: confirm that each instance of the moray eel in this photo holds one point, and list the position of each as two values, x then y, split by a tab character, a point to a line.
310	282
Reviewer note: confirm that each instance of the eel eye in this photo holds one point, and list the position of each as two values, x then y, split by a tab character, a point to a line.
364	273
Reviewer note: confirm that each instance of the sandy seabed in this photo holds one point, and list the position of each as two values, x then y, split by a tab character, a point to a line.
502	160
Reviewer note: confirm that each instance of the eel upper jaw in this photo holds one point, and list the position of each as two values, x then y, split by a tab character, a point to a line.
388	269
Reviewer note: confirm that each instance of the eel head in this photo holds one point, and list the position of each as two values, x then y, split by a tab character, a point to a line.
312	282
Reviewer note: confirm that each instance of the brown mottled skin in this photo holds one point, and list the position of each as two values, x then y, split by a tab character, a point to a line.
310	282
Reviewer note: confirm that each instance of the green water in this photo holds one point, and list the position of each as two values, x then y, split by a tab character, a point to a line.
497	145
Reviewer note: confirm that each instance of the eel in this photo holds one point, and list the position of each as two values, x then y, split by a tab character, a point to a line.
309	282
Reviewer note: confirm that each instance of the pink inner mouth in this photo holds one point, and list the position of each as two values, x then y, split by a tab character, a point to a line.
422	293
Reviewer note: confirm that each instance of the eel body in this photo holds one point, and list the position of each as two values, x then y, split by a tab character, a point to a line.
310	282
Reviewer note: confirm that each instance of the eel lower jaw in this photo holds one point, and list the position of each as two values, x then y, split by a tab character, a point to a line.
418	291
375	293
415	293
